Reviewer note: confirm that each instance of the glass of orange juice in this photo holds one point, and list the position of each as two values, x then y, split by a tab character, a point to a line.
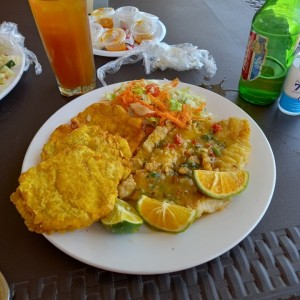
64	29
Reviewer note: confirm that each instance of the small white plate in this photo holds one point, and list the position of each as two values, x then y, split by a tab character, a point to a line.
161	33
11	48
154	252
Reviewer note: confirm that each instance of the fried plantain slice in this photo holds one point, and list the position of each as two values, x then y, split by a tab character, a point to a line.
71	190
114	119
112	147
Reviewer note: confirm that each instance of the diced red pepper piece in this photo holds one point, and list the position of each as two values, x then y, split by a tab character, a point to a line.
178	139
171	146
153	89
216	127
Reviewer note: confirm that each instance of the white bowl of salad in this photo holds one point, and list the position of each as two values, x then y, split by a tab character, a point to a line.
12	62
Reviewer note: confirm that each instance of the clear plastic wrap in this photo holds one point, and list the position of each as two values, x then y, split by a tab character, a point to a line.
159	55
11	32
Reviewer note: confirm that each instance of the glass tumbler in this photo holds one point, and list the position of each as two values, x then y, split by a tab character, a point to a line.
64	29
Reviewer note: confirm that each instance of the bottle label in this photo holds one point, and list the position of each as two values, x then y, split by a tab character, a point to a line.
255	56
290	97
289	105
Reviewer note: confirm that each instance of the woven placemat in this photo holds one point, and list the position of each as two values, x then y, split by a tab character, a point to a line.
265	266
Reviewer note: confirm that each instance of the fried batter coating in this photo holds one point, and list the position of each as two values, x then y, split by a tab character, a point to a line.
71	190
61	131
235	134
114	119
112	147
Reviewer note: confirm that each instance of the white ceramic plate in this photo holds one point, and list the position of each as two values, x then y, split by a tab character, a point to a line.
15	49
152	252
161	32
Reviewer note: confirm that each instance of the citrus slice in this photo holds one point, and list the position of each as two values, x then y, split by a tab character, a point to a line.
164	215
123	219
221	185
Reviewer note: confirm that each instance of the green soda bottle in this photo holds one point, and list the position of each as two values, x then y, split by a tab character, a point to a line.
272	44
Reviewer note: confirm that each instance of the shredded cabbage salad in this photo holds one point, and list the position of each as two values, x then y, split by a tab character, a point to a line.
160	102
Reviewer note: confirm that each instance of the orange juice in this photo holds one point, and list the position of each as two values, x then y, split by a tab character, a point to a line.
64	29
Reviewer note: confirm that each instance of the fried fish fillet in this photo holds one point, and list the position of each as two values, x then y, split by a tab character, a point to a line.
68	191
114	119
111	147
164	170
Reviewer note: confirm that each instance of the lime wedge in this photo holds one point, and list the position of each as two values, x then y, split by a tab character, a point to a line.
123	219
221	185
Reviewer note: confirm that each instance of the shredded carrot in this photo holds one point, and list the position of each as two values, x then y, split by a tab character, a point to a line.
160	104
200	108
146	104
173	83
173	119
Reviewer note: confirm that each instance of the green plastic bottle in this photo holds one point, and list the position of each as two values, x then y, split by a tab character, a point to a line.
271	48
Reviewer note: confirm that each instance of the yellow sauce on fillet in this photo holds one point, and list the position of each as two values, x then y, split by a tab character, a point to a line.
163	168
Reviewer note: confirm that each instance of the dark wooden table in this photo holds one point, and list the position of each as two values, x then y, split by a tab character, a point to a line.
265	265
